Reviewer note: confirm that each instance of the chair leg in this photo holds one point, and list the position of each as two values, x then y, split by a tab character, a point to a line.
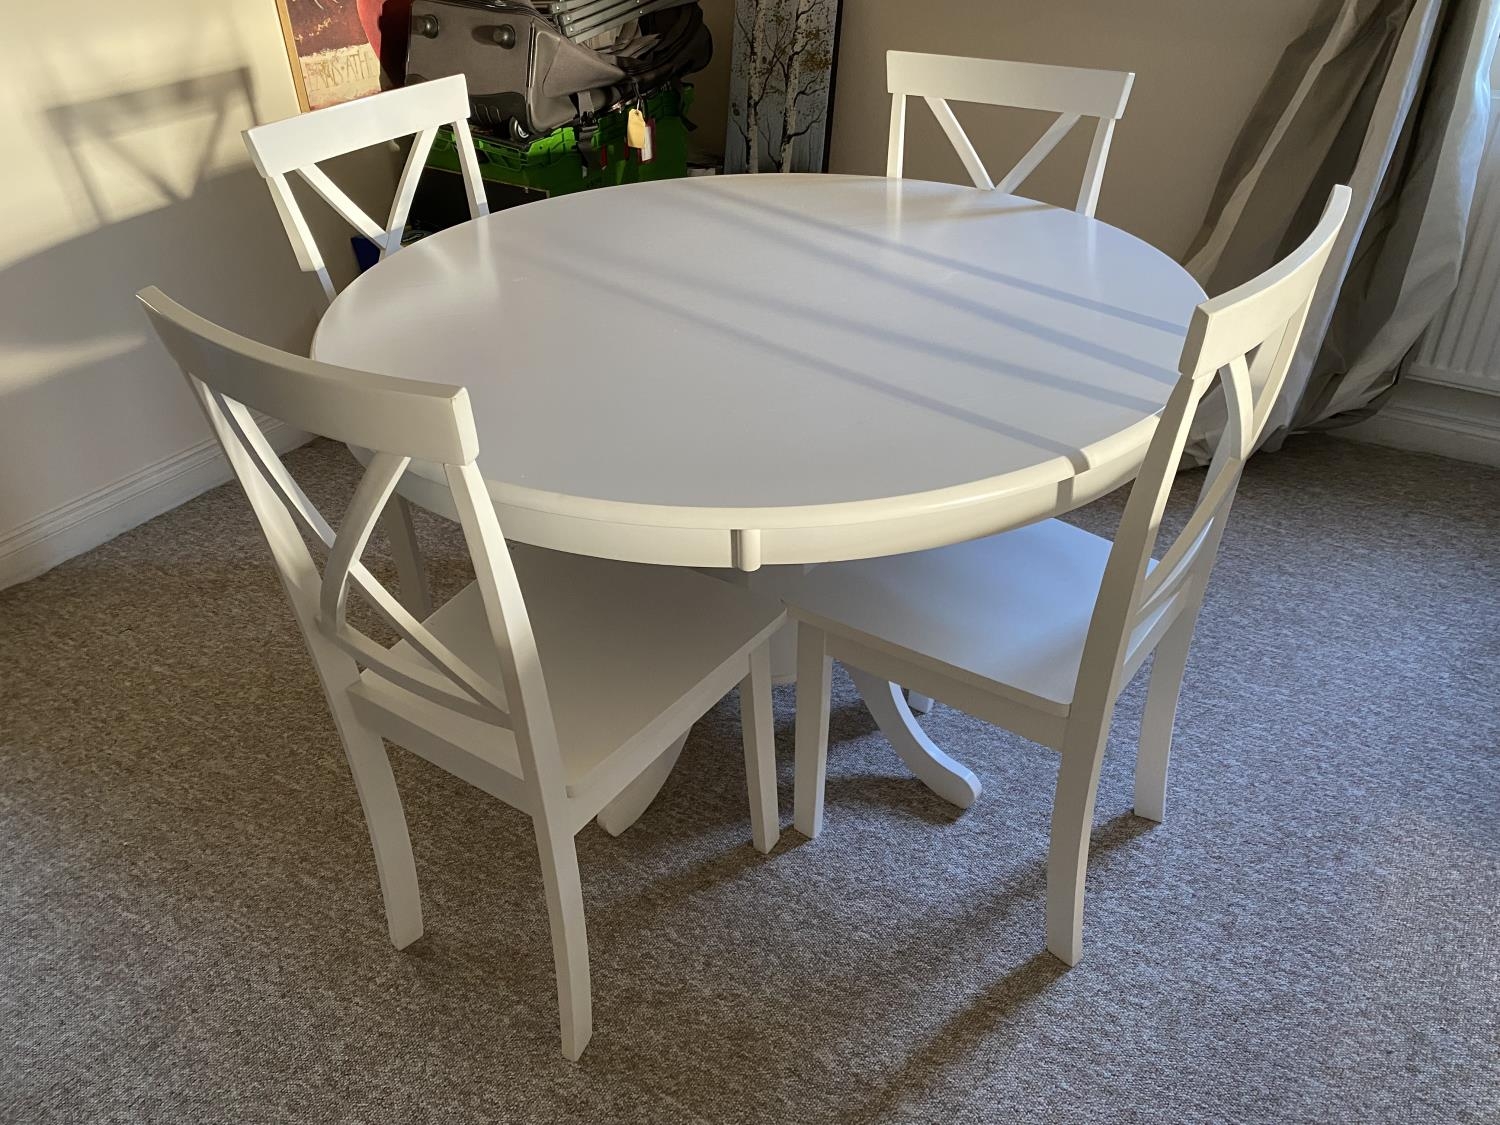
814	692
1155	750
921	704
1068	850
570	948
371	767
759	733
407	555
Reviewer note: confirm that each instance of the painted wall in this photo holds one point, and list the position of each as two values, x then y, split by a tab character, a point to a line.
124	167
1199	66
711	86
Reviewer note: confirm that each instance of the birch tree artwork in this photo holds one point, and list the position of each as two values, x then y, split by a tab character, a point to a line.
780	85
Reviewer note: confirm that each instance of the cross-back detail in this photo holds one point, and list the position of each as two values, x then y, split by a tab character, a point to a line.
1070	92
299	144
472	694
1250	391
1246	340
217	364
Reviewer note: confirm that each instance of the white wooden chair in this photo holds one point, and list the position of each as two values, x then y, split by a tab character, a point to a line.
551	682
1071	92
1038	630
299	144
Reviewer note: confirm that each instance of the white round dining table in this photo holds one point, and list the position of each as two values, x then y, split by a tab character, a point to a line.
781	370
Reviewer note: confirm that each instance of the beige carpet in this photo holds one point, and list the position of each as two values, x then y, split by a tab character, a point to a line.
190	925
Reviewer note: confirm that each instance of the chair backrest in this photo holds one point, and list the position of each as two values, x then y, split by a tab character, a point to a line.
1070	92
1245	338
399	420
298	144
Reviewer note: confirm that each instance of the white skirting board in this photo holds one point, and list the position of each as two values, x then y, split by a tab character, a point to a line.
1428	418
79	526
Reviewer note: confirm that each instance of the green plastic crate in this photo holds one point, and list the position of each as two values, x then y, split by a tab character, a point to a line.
554	164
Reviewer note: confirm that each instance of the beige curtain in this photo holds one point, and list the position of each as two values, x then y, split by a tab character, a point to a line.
1391	97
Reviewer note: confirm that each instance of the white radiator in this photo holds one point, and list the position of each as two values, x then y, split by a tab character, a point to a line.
1462	347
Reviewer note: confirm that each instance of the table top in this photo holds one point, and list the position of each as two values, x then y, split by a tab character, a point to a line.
785	368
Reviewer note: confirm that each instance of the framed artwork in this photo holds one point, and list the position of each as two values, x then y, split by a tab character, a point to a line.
781	85
336	46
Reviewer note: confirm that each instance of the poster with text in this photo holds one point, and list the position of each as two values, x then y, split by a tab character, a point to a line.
335	46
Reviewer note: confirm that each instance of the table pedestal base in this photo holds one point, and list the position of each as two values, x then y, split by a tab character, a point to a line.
952	781
636	797
949	779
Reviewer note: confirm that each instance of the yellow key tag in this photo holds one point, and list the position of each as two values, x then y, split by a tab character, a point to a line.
635	129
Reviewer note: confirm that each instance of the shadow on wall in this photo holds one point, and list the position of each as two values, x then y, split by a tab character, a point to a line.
85	128
159	211
86	397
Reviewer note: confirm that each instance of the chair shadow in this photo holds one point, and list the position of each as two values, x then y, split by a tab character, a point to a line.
1014	901
899	795
1117	831
959	1036
101	126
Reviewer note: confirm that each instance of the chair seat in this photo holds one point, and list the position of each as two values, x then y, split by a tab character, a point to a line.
1008	613
620	644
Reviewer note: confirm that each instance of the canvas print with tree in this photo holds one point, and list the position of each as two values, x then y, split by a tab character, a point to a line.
781	85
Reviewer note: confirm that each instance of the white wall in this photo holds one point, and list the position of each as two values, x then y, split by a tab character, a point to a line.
124	167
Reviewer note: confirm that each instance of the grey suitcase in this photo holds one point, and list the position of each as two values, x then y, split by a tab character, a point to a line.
526	77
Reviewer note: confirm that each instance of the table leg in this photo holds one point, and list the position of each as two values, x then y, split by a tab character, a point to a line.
407	555
636	797
950	780
919	703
